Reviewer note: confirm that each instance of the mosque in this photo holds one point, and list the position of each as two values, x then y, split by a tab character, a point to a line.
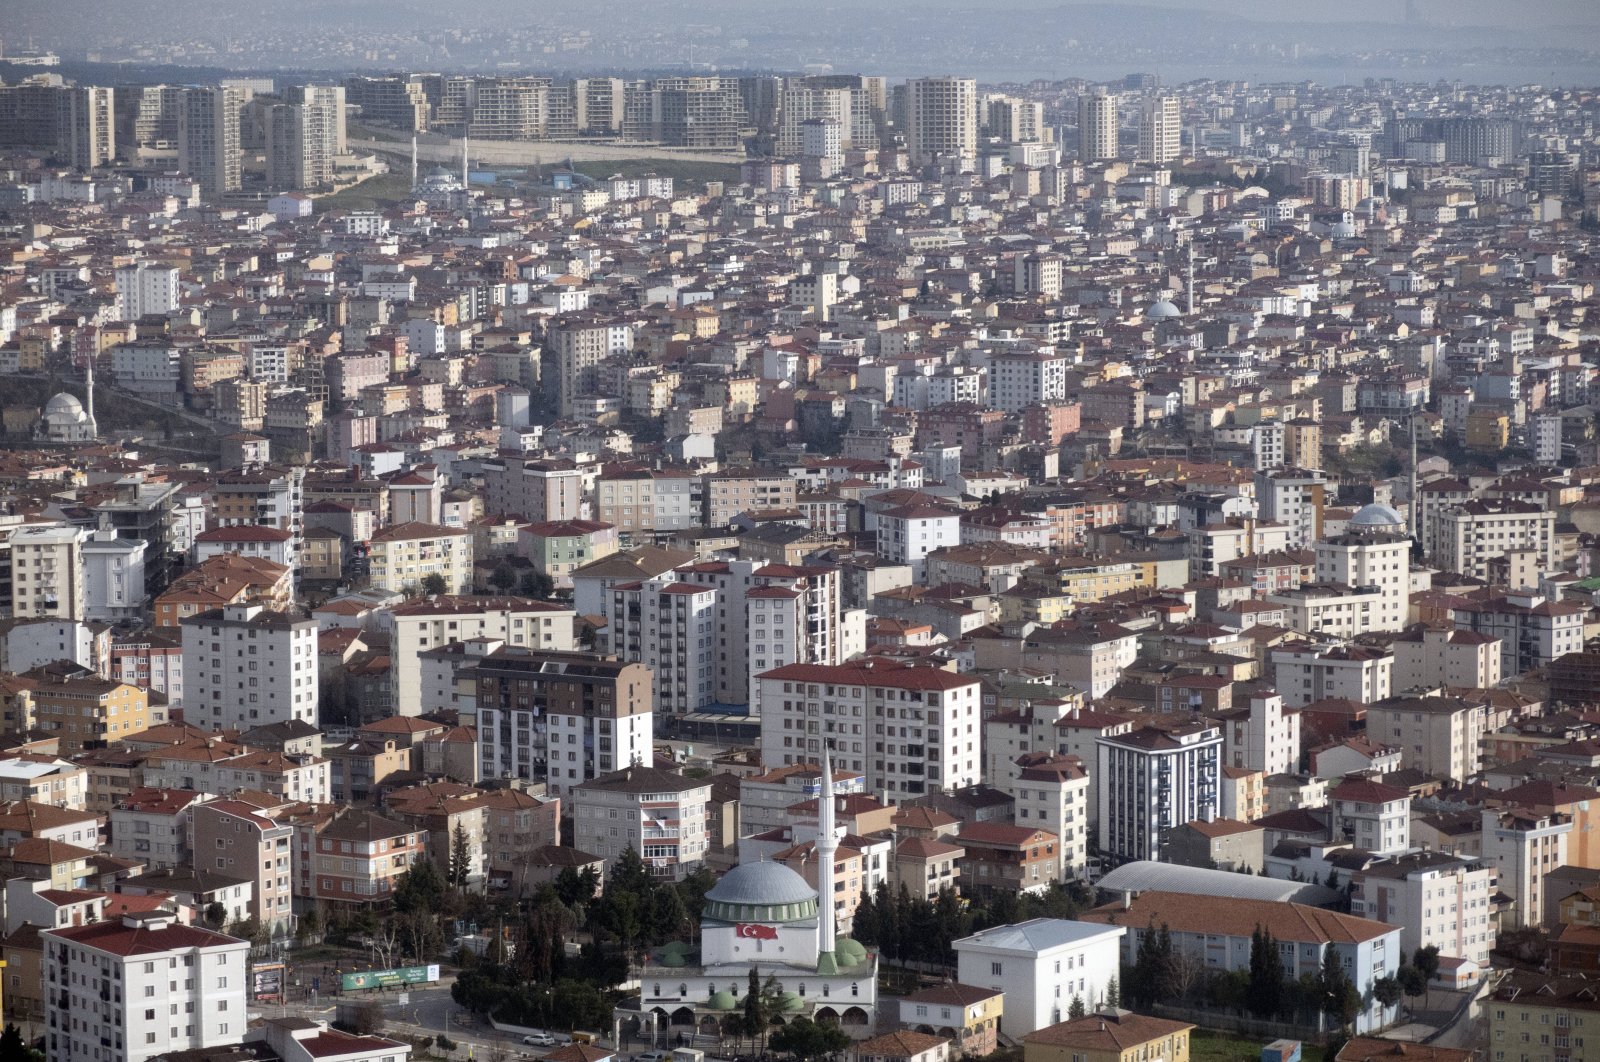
764	916
65	421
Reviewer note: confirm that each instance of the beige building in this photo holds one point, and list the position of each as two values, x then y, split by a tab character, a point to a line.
1535	1017
90	712
47	574
941	118
659	814
1437	735
1522	846
402	556
1110	1036
1428	657
1471	535
729	493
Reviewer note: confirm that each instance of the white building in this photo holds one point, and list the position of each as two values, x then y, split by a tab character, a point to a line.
660	814
1051	792
1532	631
908	730
146	288
423	624
1041	965
1295	498
1429	657
1374	553
1265	736
1523	846
246	666
142	986
1372	816
1097	126
941	118
401	556
1022	378
1160	130
1148	781
113	576
1438	901
908	533
1470	535
150	367
1305	674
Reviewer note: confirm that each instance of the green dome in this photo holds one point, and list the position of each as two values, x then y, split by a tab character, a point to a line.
789	1001
675	947
761	892
850	952
722	1000
673	958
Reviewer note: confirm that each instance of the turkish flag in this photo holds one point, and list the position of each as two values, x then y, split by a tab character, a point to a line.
756	932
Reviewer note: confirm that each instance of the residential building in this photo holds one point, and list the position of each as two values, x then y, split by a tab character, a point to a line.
659	814
426	623
1110	1035
1438	901
142	986
1097	126
47	578
1532	631
1041	966
1521	846
559	718
1428	658
401	557
1307	673
1437	735
88	712
246	666
1149	780
1471	535
359	858
1000	858
236	838
941	119
968	1015
1160	130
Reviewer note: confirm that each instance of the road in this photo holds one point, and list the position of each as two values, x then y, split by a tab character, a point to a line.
426	1012
433	149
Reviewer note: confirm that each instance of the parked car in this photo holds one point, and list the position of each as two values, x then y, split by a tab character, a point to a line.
539	1039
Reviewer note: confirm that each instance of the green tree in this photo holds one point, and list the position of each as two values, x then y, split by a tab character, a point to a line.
434	585
12	1047
806	1039
865	927
669	915
216	915
1266	975
576	888
460	858
1426	960
1387	990
504	577
1114	993
420	888
1076	1009
1412	983
1340	1001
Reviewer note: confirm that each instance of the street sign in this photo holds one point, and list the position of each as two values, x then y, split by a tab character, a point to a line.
403	998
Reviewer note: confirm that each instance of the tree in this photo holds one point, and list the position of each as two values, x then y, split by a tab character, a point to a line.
421	887
1265	996
1426	960
807	1039
865	926
1114	993
1151	976
216	914
1387	990
12	1047
460	858
1412	983
1076	1009
537	584
504	577
1340	1001
576	888
433	584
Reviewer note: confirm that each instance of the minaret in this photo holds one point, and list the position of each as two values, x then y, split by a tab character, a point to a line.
827	845
1191	276
88	390
413	160
463	163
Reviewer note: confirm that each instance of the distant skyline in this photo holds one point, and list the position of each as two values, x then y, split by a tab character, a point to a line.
1482	41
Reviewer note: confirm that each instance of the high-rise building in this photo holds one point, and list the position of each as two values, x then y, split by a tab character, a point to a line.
92	136
303	135
1374	552
1097	126
208	138
1160	130
941	118
803	103
141	986
146	288
1150	780
148	119
395	100
246	666
47	572
598	101
1013	120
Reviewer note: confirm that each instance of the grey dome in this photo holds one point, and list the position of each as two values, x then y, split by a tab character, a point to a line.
1377	516
1163	308
64	404
761	892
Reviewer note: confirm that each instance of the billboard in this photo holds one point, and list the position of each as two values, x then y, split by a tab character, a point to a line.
266	980
404	975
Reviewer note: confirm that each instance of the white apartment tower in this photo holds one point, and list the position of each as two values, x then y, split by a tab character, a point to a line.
1373	552
1097	126
142	986
1160	130
146	288
941	118
1147	781
92	134
208	138
246	666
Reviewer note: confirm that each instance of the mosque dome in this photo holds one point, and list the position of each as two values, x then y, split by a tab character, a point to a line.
1163	309
65	420
850	952
761	892
1377	517
722	1000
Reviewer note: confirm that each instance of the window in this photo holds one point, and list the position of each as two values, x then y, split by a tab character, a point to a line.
994	968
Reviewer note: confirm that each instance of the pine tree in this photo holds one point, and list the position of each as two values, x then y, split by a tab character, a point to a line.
460	858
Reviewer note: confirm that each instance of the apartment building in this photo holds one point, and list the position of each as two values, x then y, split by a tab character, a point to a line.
1521	846
1264	735
941	118
739	490
909	730
659	814
1438	901
88	712
359	857
246	666
1041	965
1051	792
425	624
1307	673
1368	558
141	987
560	718
642	504
237	838
1019	379
47	572
574	348
1149	780
1470	536
998	857
208	138
401	556
1532	631
1429	657
146	288
1160	130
